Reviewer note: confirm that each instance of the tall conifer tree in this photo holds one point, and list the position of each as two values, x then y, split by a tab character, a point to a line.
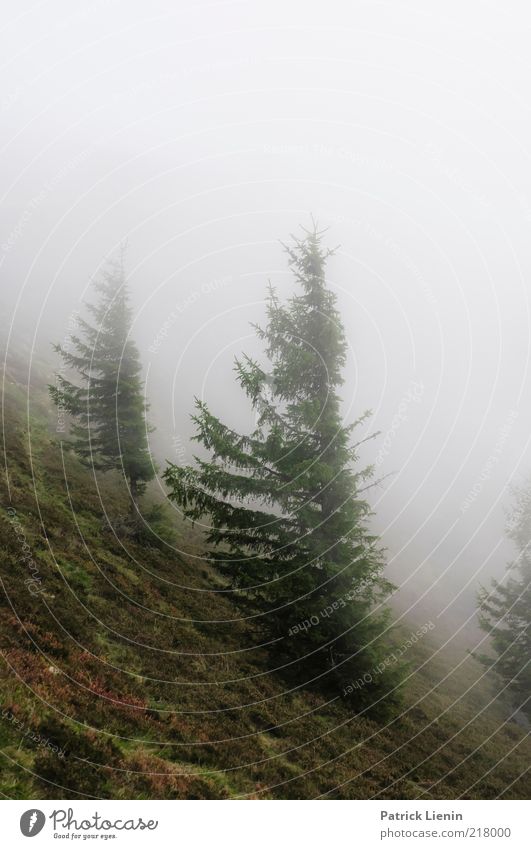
107	403
505	610
287	521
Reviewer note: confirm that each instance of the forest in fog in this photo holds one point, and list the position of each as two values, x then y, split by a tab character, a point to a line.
266	460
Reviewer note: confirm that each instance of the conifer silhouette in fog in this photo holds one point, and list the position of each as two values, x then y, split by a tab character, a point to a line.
287	522
107	404
505	610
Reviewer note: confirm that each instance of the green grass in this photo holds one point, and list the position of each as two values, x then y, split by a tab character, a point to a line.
123	660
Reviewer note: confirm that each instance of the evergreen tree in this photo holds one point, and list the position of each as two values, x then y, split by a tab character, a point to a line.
107	404
505	611
287	519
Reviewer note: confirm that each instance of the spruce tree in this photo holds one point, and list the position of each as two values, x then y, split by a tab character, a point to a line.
287	520
505	610
107	403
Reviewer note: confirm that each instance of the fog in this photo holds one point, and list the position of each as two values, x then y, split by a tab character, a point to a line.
203	133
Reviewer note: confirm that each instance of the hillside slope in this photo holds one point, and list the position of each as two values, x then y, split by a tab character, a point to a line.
128	670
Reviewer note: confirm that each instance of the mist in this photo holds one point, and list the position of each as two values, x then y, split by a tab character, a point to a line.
202	135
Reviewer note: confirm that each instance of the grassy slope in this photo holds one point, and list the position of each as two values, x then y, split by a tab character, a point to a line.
115	662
